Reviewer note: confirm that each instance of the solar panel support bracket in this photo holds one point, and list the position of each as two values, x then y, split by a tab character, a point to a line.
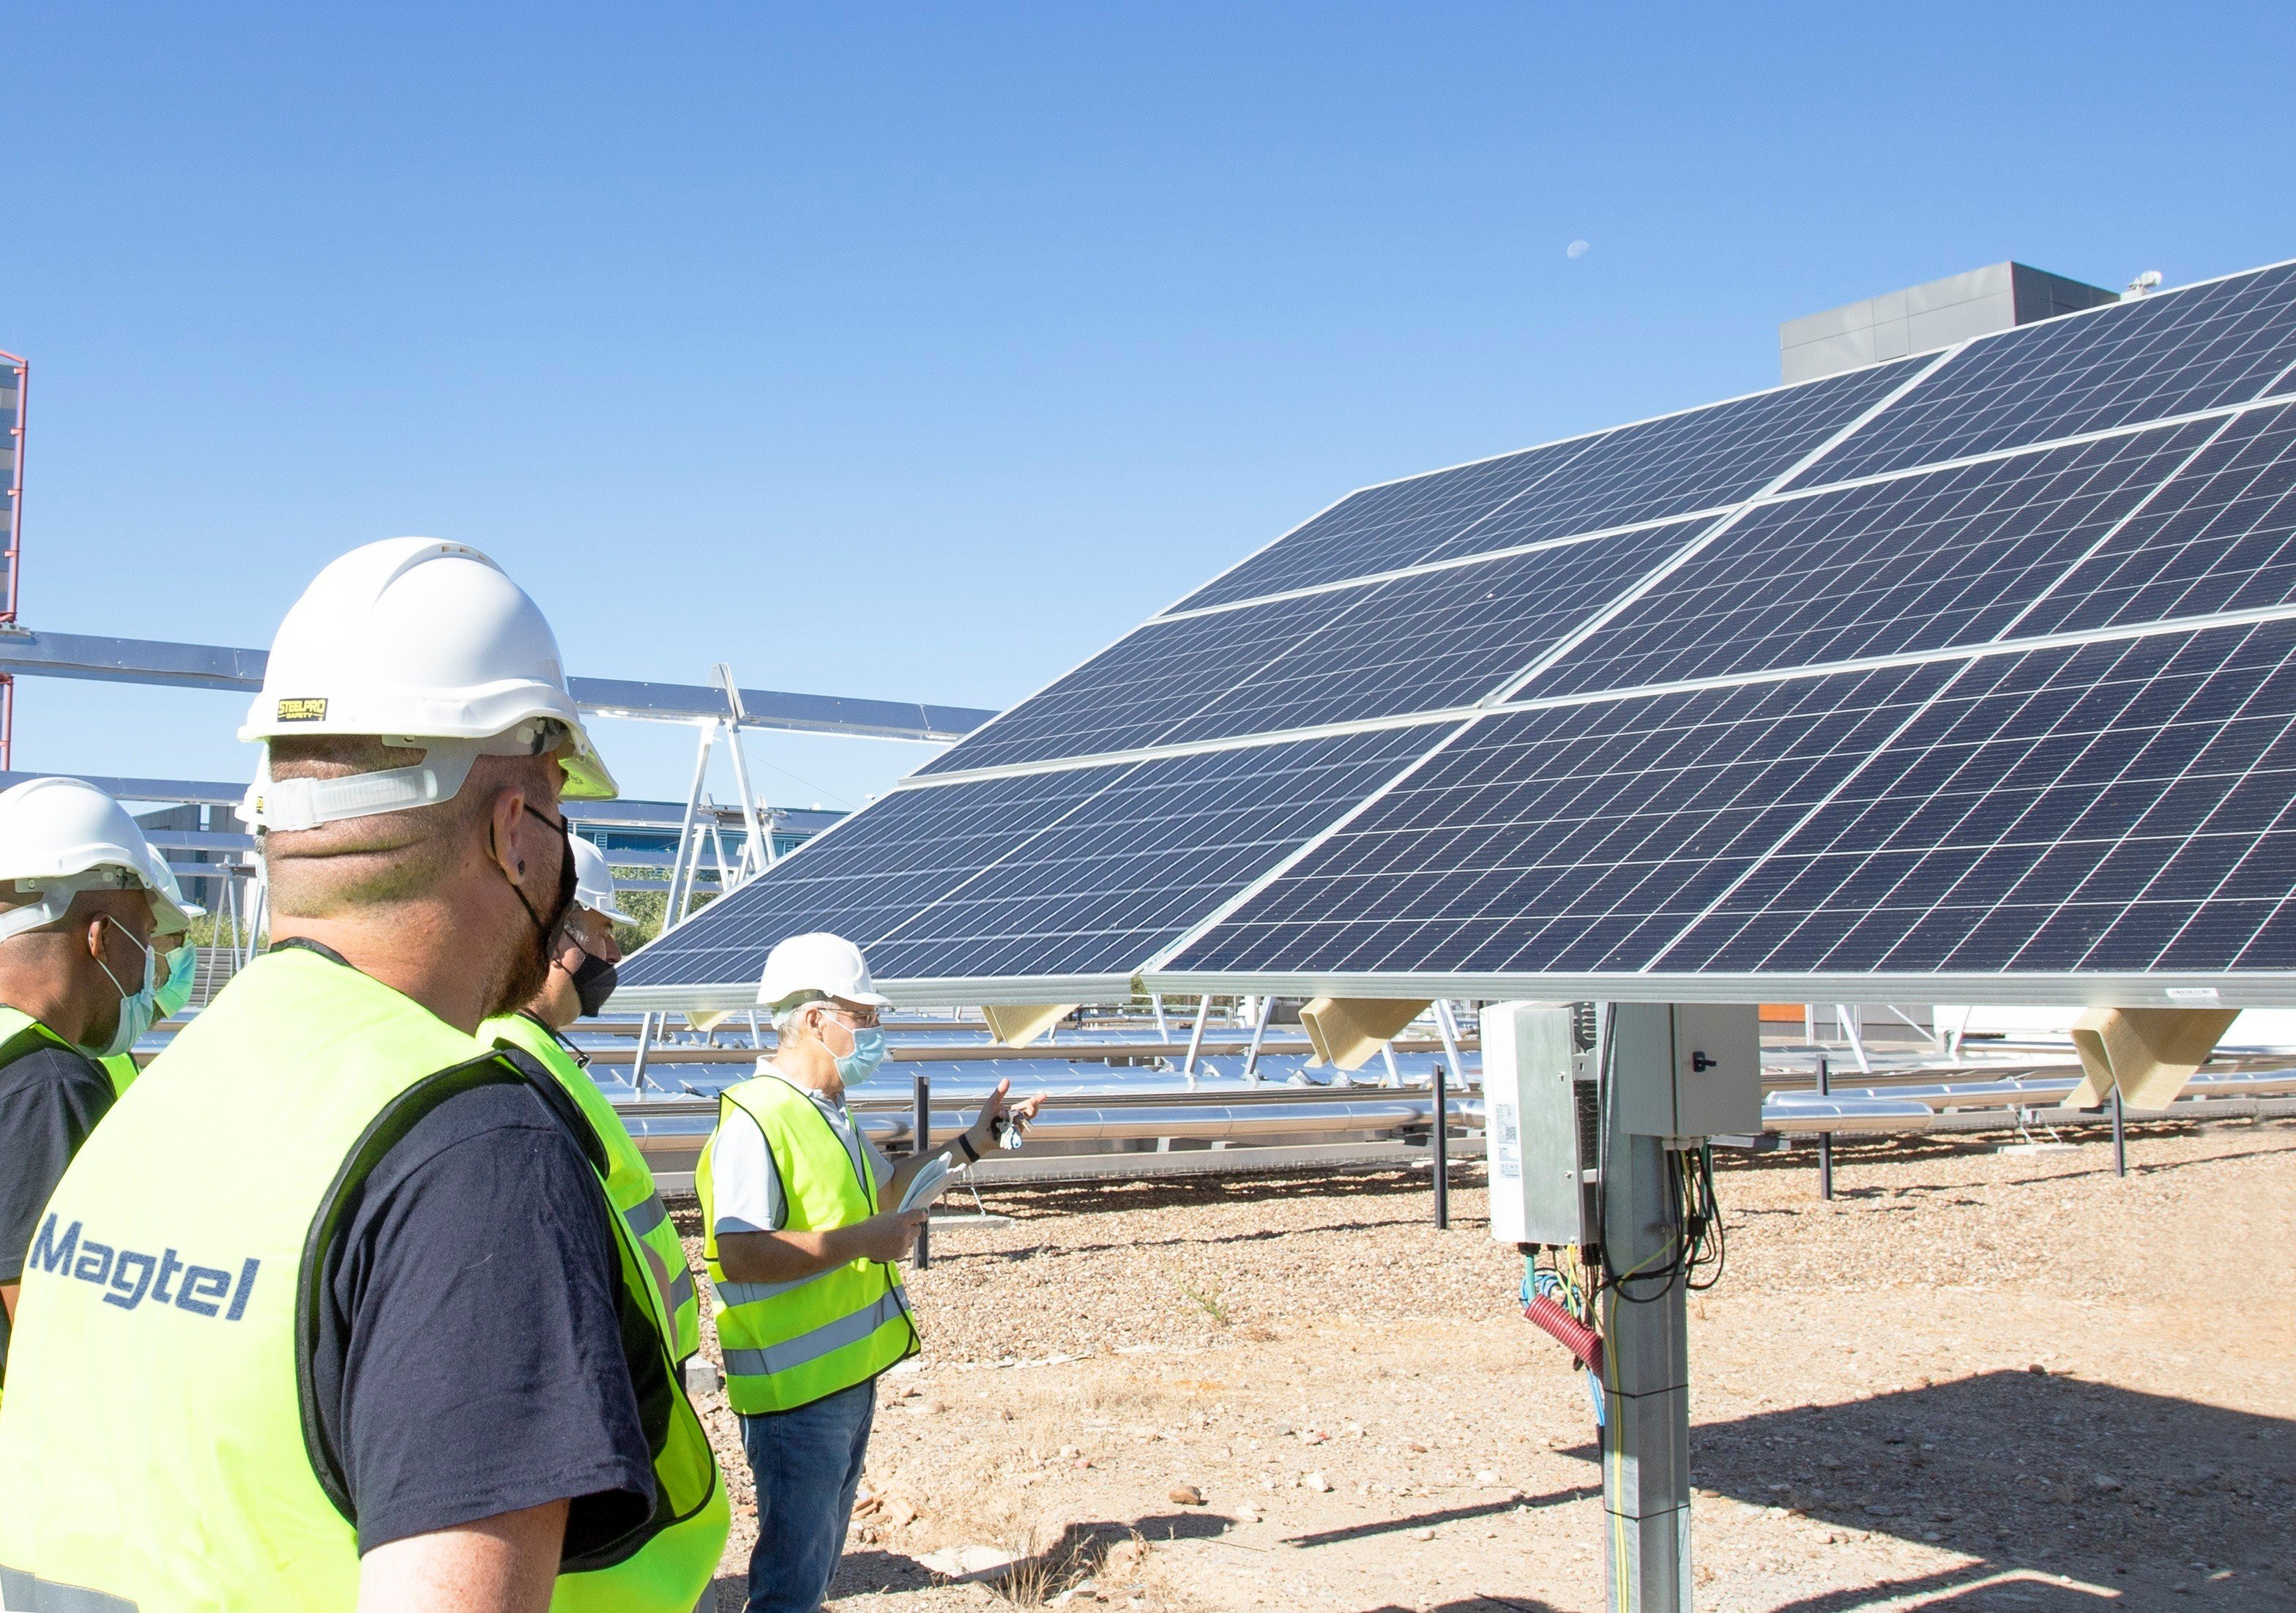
1346	1031
2149	1053
1017	1025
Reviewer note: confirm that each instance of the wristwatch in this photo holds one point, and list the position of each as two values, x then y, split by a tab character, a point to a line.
971	1154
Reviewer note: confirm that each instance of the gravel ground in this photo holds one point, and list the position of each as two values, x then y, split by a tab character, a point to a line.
1977	1379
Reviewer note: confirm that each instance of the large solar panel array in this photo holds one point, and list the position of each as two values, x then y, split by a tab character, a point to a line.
1976	669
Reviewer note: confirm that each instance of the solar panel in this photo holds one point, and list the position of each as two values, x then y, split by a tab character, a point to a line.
1080	872
1425	642
2221	537
1698	460
1973	670
2121	807
1919	562
1583	838
2124	363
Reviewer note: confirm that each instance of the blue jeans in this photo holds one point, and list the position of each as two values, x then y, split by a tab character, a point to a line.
807	1465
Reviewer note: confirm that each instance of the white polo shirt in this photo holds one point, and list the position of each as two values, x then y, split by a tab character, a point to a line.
746	1183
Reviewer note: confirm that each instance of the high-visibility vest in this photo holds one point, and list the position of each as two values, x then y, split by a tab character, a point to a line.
629	1181
789	1344
158	1450
123	1070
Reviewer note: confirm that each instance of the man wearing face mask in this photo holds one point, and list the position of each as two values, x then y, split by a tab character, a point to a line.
333	1310
801	1252
581	978
78	905
177	963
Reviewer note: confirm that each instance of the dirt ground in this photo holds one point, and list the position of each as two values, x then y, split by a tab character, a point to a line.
1977	1379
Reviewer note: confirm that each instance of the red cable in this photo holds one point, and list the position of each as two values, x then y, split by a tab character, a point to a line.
1572	1334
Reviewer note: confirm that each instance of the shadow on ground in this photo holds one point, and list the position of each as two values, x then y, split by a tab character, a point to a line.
2032	1473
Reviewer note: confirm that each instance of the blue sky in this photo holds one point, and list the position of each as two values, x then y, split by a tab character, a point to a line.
918	351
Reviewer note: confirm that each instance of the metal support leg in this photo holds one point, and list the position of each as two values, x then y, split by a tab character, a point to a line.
1259	1034
637	1064
921	1124
1449	1029
1387	1057
1646	1366
1156	1001
1196	1040
2120	1135
1825	1139
1438	1140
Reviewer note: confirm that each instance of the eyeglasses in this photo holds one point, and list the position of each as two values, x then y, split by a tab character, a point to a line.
860	1019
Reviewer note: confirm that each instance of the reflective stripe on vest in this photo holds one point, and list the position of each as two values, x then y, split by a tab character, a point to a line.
789	1344
173	1269
629	1181
21	1593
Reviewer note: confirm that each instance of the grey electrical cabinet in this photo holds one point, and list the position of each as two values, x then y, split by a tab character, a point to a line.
1688	1069
1541	1122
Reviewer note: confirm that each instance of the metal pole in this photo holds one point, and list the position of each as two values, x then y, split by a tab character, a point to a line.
1156	1001
1825	1139
1440	1142
1449	1029
921	1121
1196	1040
637	1064
1259	1034
1646	1345
688	846
760	846
2119	1136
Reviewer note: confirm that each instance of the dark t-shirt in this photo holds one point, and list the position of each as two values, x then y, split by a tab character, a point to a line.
469	1357
50	1099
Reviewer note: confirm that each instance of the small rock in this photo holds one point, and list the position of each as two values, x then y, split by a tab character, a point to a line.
2038	1370
1486	1476
1069	1450
2105	1484
1248	1515
1423	1533
1081	1463
1413	1444
1931	1535
1185	1495
1317	1483
900	1514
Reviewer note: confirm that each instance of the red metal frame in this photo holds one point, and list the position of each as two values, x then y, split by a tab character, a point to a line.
14	551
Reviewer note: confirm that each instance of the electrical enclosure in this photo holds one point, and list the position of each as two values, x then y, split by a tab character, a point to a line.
1539	1119
1688	1069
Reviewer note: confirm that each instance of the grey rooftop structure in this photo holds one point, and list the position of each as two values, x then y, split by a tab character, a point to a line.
1924	318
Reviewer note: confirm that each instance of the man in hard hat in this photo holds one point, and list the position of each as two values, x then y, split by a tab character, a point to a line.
581	978
178	963
801	1250
333	1310
79	907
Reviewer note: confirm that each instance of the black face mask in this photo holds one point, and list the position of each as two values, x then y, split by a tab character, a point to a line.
594	983
546	929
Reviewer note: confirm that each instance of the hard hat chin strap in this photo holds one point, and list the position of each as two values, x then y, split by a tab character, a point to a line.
291	804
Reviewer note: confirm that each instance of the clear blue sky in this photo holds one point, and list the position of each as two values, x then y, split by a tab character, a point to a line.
919	351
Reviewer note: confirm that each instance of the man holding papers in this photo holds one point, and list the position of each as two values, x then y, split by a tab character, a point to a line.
801	1251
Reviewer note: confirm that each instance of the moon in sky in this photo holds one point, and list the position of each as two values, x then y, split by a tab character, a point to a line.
1577	248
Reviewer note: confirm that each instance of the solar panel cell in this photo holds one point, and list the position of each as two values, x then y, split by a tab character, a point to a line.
2122	364
2221	537
1698	460
1580	838
1077	872
1915	563
2090	809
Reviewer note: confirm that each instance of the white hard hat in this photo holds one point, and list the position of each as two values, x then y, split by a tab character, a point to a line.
59	837
822	962
163	880
425	644
594	881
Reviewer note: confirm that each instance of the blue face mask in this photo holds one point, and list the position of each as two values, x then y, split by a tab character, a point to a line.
175	990
868	1052
137	1008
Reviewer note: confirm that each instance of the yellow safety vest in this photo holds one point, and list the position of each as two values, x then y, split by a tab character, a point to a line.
629	1181
156	1450
789	1344
122	1069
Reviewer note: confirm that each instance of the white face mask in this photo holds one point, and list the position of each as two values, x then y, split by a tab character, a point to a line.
137	1008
